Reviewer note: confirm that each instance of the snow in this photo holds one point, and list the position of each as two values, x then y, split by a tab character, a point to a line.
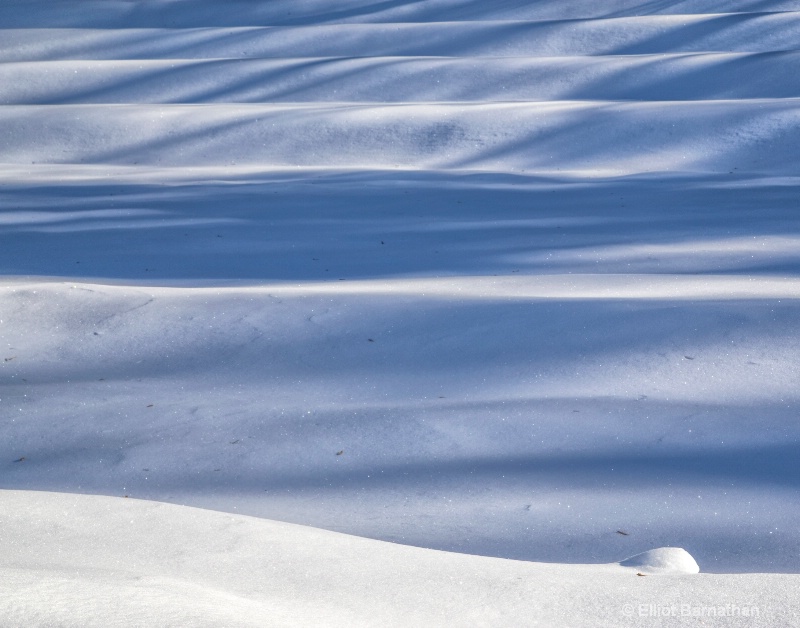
451	282
663	560
77	560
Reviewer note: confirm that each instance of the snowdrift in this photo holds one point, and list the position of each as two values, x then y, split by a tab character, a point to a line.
518	280
100	561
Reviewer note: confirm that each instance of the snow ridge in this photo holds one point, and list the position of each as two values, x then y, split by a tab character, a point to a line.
510	89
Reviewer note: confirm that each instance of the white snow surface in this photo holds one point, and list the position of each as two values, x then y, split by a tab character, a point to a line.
78	560
663	560
512	280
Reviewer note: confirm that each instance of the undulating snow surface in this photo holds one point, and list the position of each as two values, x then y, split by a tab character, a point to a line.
77	560
518	279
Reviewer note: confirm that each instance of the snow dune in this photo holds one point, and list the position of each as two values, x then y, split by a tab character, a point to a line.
121	14
641	35
100	561
391	79
514	279
758	136
471	94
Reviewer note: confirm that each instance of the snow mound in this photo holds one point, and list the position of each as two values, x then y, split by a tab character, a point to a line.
663	560
83	561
